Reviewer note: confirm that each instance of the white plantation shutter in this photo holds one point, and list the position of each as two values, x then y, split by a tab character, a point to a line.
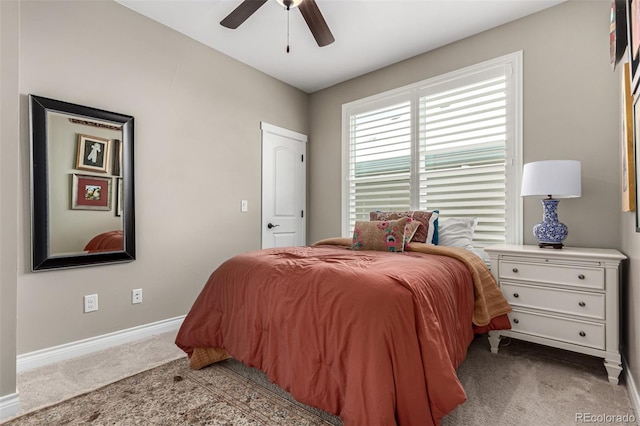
446	144
380	160
462	151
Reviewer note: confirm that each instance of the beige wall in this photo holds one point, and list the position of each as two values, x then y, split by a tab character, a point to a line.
9	149
631	295
197	154
571	111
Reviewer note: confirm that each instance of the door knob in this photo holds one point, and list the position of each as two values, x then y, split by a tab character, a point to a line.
271	225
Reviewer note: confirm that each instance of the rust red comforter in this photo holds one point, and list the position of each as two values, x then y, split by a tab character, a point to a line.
373	337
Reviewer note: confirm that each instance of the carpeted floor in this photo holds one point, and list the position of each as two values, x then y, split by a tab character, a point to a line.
172	394
529	384
524	384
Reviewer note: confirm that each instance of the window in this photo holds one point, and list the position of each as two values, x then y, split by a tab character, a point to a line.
451	143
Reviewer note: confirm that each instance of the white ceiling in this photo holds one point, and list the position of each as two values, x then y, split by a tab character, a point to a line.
369	34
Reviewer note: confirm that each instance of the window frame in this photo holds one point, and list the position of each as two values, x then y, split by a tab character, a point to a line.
514	146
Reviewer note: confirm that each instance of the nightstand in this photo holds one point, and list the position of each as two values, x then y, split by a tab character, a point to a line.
566	298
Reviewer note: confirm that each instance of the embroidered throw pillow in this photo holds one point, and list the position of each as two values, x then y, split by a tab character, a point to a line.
410	230
425	234
381	235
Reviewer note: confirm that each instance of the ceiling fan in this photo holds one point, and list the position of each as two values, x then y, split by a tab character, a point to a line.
309	9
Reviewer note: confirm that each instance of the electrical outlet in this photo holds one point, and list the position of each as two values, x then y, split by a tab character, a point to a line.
136	296
90	303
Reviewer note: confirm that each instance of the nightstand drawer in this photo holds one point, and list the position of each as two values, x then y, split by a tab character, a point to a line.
555	274
566	330
585	304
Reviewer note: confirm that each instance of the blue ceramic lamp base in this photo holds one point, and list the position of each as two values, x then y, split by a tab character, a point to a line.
550	233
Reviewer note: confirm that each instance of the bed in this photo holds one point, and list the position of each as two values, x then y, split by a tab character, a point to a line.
374	337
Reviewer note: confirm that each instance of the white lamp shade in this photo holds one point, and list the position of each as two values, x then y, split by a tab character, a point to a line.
557	178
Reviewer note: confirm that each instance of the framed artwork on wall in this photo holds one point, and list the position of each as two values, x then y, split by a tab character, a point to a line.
93	154
116	169
628	160
633	39
618	31
117	188
636	159
90	192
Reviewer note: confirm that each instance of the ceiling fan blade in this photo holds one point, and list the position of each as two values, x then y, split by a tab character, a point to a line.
316	22
241	13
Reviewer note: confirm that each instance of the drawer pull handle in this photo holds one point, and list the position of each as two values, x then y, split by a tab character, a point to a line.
581	277
582	334
582	304
516	321
515	270
516	295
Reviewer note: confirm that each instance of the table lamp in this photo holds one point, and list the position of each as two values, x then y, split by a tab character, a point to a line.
554	179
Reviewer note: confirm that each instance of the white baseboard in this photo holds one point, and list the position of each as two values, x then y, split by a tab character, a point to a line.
59	353
9	406
634	396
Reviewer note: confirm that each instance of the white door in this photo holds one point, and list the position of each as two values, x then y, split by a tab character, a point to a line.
283	187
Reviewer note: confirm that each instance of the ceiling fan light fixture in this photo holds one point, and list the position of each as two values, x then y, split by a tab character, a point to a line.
289	4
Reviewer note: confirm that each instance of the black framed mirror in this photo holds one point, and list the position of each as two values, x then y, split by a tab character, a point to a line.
82	185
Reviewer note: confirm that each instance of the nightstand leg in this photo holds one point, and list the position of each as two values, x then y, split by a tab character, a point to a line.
614	368
494	341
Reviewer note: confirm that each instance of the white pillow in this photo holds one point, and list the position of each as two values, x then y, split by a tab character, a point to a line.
456	231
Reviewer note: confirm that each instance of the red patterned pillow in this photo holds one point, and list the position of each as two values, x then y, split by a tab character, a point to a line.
424	234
